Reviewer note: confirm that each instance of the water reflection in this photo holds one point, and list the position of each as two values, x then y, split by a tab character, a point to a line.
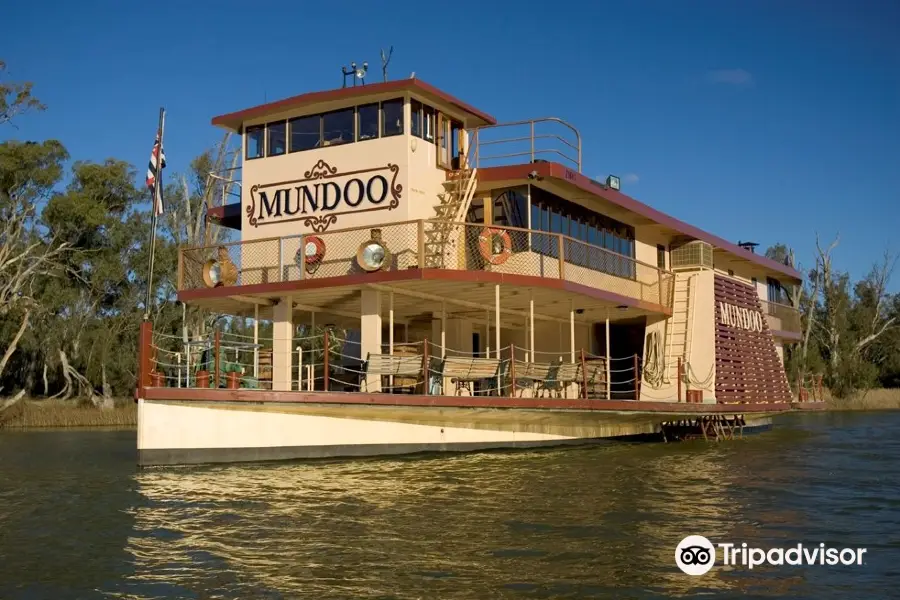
583	521
598	522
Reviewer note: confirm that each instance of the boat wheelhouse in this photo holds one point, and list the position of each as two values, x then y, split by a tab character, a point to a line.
408	274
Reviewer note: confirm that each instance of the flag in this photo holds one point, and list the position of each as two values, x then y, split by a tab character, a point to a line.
153	171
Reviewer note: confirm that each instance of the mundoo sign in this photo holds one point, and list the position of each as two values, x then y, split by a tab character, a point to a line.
741	318
317	200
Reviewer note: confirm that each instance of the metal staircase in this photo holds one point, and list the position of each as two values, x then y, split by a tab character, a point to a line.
679	335
449	212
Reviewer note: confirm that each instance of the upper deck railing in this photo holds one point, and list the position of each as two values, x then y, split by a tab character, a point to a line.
465	247
548	138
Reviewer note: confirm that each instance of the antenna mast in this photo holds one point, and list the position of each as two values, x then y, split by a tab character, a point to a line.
385	61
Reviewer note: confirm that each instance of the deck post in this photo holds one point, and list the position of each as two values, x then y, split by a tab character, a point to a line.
584	376
512	370
678	376
443	329
562	255
497	330
256	342
571	331
421	240
370	332
531	324
218	343
608	355
390	335
426	368
637	379
487	333
282	344
326	344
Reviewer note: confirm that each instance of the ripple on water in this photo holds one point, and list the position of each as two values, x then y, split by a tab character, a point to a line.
594	522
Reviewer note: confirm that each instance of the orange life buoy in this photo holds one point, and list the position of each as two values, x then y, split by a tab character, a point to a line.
495	245
312	251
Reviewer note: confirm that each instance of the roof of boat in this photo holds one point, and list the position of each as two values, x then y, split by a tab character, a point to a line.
234	120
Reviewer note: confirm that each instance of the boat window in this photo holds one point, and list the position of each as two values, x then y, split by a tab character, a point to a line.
306	132
415	126
368	121
443	133
777	293
392	117
660	256
255	140
337	127
455	129
611	243
277	142
428	123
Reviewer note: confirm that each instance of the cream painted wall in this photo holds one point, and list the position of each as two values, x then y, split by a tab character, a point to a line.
425	178
646	240
289	170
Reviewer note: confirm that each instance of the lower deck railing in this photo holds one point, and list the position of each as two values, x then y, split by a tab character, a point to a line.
331	362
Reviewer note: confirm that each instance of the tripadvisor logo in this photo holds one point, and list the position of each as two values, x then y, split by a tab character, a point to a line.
696	555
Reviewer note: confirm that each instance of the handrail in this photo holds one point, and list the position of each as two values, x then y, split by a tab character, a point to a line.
534	150
436	221
224	178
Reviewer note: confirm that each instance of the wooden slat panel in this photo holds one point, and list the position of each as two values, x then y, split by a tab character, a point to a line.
747	365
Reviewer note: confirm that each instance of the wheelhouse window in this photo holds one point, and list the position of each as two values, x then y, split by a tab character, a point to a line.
415	125
306	132
428	123
277	138
337	127
392	117
367	116
342	126
255	140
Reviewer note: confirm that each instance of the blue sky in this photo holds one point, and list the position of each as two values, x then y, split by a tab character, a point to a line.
768	121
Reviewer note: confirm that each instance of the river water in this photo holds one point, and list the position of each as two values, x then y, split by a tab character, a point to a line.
78	519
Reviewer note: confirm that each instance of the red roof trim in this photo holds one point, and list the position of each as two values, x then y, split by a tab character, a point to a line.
558	171
234	120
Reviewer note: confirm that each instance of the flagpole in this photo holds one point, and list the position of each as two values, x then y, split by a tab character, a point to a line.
156	183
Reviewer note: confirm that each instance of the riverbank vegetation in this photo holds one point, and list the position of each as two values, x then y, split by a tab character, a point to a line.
850	330
873	399
32	414
74	239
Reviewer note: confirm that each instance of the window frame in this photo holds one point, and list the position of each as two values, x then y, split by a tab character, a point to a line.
359	129
416	118
262	149
291	137
382	120
426	109
353	119
269	137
